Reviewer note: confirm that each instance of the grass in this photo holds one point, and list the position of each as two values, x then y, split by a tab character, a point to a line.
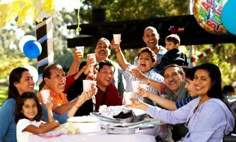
3	94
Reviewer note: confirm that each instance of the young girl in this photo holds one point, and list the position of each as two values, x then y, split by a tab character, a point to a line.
28	115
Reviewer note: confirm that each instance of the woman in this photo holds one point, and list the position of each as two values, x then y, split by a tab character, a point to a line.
21	81
206	117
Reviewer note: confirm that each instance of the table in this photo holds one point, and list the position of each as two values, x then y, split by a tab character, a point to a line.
95	137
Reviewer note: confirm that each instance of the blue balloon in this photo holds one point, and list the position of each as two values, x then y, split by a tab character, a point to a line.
229	16
32	49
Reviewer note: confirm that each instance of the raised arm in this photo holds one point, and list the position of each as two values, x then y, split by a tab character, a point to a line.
74	66
120	56
81	99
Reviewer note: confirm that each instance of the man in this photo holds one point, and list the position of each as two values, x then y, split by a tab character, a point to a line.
173	89
107	92
54	80
102	52
151	38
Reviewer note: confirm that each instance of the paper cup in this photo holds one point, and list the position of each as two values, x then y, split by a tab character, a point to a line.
127	96
117	38
132	67
135	85
144	86
92	56
80	49
45	95
87	84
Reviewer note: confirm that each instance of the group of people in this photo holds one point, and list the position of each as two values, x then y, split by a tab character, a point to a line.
175	93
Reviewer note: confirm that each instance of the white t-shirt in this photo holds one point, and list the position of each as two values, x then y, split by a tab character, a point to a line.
23	136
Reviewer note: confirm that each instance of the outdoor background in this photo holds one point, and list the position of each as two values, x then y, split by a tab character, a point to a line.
116	10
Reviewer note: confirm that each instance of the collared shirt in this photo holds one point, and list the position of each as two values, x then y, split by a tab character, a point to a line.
150	74
180	95
110	97
207	123
57	99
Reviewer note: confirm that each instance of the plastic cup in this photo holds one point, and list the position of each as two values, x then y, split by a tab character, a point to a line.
144	86
45	95
80	49
117	38
135	85
132	67
87	84
92	56
127	96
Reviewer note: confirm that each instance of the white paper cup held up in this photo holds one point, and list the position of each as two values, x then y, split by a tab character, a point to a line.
45	95
127	96
87	84
80	49
117	38
135	85
92	56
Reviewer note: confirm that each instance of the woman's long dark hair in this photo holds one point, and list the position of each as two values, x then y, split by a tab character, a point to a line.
20	102
214	72
14	77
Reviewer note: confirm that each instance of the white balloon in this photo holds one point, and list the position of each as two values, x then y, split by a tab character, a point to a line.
33	71
24	39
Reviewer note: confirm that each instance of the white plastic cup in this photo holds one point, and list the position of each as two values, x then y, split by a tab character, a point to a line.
92	56
87	84
144	86
135	85
117	38
127	96
80	49
132	67
45	95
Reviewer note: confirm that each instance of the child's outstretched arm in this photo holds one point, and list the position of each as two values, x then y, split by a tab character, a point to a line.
43	128
119	55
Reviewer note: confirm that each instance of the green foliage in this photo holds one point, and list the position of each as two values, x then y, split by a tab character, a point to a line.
225	57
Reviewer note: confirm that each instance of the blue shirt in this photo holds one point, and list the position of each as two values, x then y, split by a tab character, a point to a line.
150	74
8	124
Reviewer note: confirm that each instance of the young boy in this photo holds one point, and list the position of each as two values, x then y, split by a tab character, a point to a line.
173	55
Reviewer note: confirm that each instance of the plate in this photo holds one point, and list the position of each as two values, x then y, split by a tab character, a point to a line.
51	134
83	119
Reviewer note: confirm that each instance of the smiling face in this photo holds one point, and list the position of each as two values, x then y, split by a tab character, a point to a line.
30	109
151	37
173	78
145	62
102	50
26	83
105	76
202	82
57	80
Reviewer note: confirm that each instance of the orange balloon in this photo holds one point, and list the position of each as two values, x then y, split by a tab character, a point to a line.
208	15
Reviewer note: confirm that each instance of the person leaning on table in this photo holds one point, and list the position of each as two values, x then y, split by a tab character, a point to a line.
20	81
207	117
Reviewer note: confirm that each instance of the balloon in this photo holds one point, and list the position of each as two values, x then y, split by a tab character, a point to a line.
24	39
229	16
208	15
33	71
32	49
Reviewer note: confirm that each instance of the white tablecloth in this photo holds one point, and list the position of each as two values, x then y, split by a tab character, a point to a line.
95	137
